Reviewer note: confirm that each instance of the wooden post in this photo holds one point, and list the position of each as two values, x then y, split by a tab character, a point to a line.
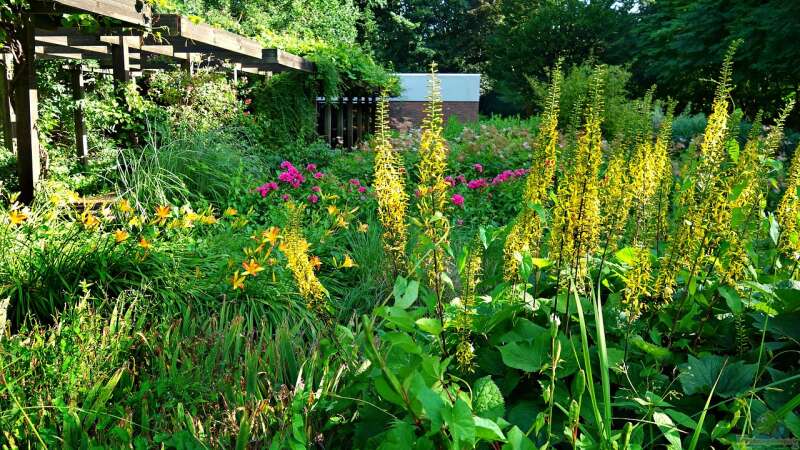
120	58
348	141
361	114
188	64
328	123
27	107
6	110
81	140
340	122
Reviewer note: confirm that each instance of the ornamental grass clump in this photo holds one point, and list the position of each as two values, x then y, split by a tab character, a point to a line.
432	188
295	248
390	191
527	230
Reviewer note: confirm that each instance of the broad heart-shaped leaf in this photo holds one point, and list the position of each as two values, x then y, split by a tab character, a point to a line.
669	429
731	298
518	441
430	325
461	424
405	294
433	405
528	356
699	375
487	430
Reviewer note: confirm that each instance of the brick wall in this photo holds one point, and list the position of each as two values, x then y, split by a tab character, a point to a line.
403	114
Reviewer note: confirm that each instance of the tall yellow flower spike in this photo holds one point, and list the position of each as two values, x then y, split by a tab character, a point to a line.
576	216
295	247
705	200
390	191
527	229
789	209
432	186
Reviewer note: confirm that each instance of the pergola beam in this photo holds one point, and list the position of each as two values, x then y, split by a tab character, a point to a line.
136	12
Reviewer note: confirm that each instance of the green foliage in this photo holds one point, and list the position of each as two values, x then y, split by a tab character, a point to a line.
202	101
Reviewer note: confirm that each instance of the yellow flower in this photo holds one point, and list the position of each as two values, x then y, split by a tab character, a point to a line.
362	227
332	209
89	220
230	212
341	222
295	247
252	267
17	217
348	262
124	206
145	244
208	219
271	235
316	262
527	229
135	222
433	199
121	235
237	281
162	214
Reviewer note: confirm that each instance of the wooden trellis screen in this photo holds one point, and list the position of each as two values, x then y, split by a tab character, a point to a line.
344	122
138	41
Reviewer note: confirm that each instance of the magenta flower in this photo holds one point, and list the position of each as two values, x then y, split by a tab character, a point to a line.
457	200
478	167
291	176
286	165
462	179
355	182
286	197
318	175
311	167
362	189
313	198
316	189
477	183
266	188
450	180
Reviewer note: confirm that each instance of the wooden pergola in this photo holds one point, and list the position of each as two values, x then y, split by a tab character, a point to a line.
138	41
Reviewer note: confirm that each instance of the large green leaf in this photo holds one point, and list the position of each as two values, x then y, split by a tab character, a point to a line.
698	376
518	441
528	356
461	424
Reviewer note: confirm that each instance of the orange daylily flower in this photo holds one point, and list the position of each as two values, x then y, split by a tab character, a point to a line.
17	217
252	267
124	206
237	281
230	212
121	236
348	262
145	244
315	262
271	235
89	220
162	214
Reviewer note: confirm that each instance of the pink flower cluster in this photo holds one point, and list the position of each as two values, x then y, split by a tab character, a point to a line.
356	182
266	188
291	175
508	175
479	183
